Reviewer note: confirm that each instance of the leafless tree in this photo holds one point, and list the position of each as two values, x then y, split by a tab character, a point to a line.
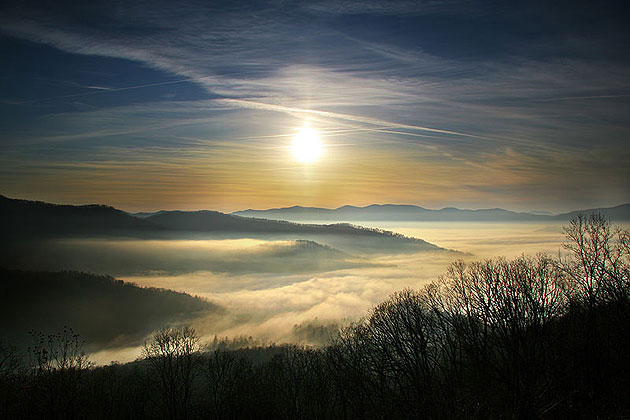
598	265
59	360
173	355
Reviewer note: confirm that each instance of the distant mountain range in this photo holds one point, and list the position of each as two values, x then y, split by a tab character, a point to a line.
394	212
24	219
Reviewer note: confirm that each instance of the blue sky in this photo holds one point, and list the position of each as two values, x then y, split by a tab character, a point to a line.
150	105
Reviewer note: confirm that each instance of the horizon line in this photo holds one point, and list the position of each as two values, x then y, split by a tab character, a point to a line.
529	212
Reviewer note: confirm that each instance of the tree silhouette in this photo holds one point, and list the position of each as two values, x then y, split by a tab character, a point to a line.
172	355
59	360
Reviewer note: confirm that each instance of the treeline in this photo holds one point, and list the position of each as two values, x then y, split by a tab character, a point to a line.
529	338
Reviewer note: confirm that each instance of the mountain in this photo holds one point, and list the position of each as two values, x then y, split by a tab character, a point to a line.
214	221
343	236
44	219
105	312
23	220
617	213
394	212
144	214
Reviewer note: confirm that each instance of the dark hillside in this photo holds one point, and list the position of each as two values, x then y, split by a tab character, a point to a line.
24	218
105	311
214	221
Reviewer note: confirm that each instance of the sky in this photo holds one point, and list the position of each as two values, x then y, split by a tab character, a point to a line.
194	105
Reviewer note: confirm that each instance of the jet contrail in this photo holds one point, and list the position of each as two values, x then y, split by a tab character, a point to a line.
102	90
571	98
272	107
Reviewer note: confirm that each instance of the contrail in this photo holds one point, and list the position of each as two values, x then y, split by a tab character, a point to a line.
322	132
102	90
272	107
571	98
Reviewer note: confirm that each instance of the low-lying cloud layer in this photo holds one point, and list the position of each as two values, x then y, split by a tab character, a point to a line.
269	306
270	290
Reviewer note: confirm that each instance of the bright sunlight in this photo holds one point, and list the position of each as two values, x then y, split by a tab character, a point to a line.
307	146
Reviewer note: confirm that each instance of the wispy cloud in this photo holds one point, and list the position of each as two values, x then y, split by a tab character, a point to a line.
516	117
334	115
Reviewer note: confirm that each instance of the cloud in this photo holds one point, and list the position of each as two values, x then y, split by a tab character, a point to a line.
266	303
354	118
269	306
264	69
270	310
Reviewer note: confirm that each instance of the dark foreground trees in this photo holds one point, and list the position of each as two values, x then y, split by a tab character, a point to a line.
529	338
172	355
534	337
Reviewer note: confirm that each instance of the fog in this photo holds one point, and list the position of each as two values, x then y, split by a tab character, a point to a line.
484	239
273	288
267	303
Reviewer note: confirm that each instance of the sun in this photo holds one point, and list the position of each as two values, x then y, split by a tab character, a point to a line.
307	147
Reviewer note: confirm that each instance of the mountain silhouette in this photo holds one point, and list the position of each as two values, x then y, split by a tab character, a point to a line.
394	212
27	220
24	218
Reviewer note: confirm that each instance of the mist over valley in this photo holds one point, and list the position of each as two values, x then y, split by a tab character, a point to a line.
247	276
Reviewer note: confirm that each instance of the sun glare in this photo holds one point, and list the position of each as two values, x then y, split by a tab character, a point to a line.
307	146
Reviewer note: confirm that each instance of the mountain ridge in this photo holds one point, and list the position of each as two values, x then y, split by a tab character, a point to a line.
27	220
408	212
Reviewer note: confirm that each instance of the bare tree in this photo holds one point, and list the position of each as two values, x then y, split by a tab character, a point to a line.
59	360
498	315
597	269
172	355
598	265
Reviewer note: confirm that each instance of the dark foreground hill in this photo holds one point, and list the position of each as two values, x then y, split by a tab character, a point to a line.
105	311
